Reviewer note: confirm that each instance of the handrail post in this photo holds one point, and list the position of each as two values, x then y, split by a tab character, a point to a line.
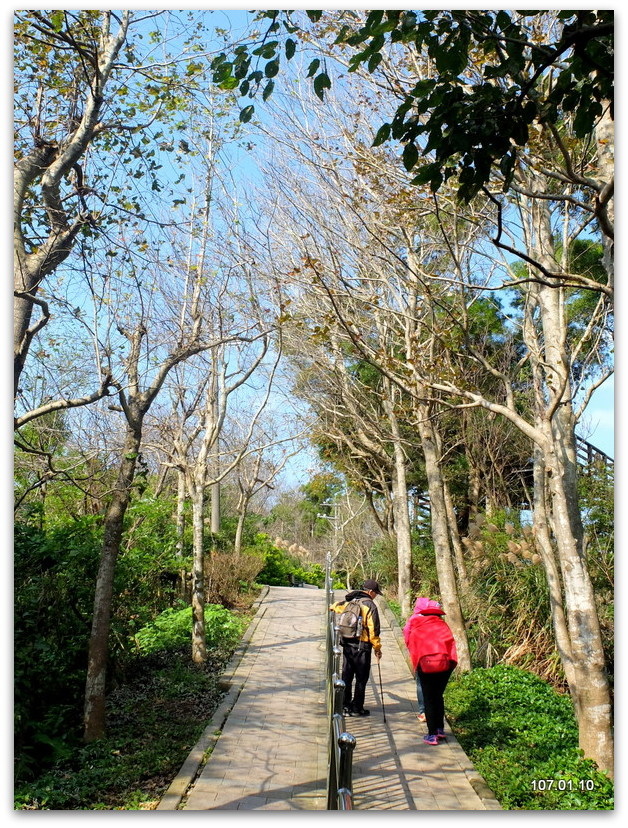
346	743
339	695
332	770
341	744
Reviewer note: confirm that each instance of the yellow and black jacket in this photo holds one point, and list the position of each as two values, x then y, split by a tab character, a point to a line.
370	616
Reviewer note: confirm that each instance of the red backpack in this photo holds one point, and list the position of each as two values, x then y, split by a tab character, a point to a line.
434	663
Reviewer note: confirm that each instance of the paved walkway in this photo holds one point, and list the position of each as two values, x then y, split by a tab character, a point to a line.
267	743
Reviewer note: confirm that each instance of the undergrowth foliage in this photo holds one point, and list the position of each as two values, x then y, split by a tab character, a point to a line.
522	736
508	604
155	715
53	602
171	629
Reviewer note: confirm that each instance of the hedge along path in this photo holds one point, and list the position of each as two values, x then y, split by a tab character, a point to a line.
266	746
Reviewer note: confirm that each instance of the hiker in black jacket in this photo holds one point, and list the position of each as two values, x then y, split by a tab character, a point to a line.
357	651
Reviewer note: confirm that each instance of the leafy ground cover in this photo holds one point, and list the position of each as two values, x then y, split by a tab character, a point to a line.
522	737
518	731
154	718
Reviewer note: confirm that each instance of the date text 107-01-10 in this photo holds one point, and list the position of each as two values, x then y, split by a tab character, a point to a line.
562	785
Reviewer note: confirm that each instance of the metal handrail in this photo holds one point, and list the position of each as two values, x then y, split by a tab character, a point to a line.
341	744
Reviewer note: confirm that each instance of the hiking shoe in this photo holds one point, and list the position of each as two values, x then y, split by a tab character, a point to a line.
431	739
440	733
362	712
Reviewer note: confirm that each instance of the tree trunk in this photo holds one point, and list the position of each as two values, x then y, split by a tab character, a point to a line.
402	536
215	508
552	572
454	535
475	487
593	706
49	164
441	539
605	141
403	533
94	711
199	648
237	543
556	422
180	527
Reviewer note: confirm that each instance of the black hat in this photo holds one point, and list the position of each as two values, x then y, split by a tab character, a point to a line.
372	586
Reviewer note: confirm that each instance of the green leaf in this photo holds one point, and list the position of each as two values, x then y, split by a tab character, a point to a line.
503	19
383	134
267	50
451	58
313	67
268	90
519	132
374	62
410	155
272	68
290	47
218	61
426	174
321	82
408	22
357	59
374	19
222	73
56	19
246	114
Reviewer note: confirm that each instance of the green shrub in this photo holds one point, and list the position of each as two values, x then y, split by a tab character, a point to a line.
424	573
507	605
280	568
382	559
522	736
277	569
172	629
54	585
312	574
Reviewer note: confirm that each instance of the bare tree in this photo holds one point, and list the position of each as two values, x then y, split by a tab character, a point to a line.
258	472
201	474
53	158
135	400
419	276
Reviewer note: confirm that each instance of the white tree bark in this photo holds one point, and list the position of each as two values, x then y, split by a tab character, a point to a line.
403	532
49	163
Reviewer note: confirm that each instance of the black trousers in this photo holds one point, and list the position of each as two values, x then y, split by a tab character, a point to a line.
433	686
356	665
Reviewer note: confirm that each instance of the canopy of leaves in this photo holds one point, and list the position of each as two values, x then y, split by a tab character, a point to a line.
491	74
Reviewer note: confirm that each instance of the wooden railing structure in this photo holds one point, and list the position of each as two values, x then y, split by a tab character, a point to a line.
590	457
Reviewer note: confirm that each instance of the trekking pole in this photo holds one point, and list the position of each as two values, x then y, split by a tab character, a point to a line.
381	691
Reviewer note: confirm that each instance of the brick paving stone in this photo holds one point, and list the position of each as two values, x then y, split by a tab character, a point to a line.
272	750
274	740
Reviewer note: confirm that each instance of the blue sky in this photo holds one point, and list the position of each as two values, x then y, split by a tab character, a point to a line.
598	422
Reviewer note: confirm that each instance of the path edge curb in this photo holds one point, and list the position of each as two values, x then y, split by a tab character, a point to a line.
478	784
194	762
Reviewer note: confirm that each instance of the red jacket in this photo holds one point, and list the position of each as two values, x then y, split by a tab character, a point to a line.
428	634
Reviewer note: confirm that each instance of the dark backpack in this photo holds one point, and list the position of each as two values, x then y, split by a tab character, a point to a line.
350	622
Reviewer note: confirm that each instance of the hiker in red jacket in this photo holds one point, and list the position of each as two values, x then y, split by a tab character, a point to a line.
433	654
